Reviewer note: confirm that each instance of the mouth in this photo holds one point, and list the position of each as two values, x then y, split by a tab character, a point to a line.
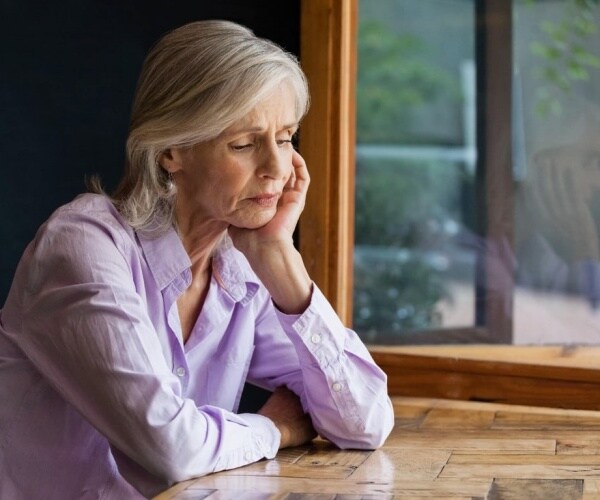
266	199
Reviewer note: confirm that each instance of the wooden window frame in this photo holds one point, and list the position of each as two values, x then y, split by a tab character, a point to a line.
327	143
557	376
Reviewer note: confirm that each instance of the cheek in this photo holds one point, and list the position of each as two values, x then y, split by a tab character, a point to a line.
224	179
230	188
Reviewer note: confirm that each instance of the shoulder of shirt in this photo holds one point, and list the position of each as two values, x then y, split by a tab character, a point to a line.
96	206
76	233
86	214
94	209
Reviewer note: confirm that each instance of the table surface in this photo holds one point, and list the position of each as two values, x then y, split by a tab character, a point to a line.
438	449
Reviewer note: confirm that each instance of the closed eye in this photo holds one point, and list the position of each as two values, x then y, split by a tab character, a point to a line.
241	147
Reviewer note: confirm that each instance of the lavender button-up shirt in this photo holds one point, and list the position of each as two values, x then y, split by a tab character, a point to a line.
100	397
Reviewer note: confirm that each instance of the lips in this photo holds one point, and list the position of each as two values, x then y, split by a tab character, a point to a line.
266	199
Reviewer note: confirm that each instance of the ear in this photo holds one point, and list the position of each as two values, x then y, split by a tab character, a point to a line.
171	160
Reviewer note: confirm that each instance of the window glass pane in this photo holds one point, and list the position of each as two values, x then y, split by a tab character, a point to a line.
418	236
556	168
415	170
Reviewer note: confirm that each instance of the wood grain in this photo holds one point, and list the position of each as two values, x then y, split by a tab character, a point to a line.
327	140
413	373
506	489
441	449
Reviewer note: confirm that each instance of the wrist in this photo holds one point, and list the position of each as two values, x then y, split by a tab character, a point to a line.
282	272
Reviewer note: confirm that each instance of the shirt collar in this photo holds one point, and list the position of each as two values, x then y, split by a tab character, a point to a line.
168	260
233	272
166	257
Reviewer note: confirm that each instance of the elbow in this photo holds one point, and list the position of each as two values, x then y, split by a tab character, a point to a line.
173	475
164	464
378	425
374	436
369	439
173	464
379	437
172	470
372	432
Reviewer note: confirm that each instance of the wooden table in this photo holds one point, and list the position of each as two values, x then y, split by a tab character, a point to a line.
439	449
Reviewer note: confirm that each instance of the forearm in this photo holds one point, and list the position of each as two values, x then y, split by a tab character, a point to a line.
346	394
329	367
98	359
281	270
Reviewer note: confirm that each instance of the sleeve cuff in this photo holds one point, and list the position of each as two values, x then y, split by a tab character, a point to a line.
267	435
317	332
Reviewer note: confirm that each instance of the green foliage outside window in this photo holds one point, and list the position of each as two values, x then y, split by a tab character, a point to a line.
401	222
401	205
564	58
394	80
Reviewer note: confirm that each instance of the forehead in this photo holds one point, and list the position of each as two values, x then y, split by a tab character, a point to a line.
278	110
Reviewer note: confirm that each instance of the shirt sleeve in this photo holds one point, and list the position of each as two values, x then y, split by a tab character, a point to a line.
86	329
329	368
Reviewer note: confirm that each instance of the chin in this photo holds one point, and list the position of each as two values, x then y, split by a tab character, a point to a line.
256	221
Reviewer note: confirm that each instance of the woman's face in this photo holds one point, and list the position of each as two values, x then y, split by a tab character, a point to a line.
237	178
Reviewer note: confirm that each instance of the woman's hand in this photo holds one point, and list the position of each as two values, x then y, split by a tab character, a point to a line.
284	409
281	227
270	249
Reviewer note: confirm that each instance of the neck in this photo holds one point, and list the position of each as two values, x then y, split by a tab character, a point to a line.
200	237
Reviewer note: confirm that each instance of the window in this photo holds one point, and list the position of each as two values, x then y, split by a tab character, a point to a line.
415	252
496	233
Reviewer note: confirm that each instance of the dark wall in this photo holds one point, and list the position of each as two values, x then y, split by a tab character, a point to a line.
67	78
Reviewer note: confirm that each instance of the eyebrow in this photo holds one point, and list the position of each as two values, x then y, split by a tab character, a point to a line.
249	130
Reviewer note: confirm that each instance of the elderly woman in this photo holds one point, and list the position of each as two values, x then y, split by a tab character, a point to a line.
133	322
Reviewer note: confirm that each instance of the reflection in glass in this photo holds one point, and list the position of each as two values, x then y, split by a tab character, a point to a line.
415	168
557	172
417	239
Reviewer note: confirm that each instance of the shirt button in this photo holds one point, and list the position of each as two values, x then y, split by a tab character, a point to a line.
180	371
337	387
316	338
248	456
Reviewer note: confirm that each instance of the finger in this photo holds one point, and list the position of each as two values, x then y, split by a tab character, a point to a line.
300	171
298	163
290	182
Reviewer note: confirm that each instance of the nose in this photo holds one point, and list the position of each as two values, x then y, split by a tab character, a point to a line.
274	163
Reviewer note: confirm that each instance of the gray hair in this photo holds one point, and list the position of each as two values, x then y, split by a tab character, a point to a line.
195	82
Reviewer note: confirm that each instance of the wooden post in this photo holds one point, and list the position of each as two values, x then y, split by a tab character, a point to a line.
327	143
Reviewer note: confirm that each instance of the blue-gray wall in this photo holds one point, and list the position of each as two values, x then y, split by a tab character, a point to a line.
68	72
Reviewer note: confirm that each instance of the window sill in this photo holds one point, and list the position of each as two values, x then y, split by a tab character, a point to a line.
552	376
